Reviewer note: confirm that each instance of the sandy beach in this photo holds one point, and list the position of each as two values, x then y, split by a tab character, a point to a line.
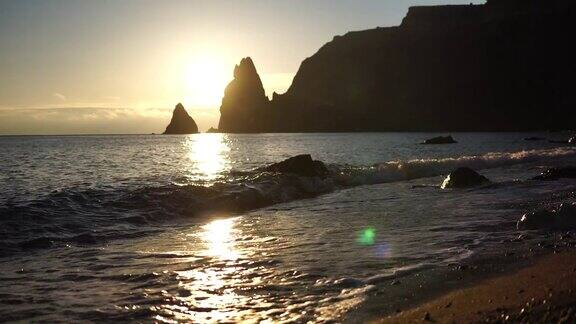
544	292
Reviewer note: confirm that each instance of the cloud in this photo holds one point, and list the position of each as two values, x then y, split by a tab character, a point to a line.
95	120
59	96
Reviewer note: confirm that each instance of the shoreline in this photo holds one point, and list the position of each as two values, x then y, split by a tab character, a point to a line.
544	291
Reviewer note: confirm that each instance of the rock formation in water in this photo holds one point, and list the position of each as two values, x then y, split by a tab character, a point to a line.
244	103
568	172
181	122
534	138
464	178
301	165
440	140
561	218
505	65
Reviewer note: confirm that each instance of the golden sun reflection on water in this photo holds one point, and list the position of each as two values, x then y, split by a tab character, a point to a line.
212	297
220	237
209	155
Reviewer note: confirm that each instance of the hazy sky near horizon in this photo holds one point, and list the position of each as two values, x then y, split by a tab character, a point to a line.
74	66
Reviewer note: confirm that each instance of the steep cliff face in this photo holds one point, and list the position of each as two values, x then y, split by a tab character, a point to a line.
506	65
181	122
244	103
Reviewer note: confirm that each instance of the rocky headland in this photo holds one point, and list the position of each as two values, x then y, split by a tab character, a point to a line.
505	65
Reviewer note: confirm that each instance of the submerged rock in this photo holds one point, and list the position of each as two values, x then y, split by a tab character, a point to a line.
181	122
571	141
440	140
566	216
557	173
534	138
464	178
301	165
561	218
536	220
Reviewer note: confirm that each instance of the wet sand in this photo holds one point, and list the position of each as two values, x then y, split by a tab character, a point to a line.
543	292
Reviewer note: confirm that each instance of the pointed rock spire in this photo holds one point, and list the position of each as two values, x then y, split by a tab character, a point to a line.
181	122
244	99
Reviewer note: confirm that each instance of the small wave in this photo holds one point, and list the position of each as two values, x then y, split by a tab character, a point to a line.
83	239
37	243
260	191
393	171
342	283
398	273
92	216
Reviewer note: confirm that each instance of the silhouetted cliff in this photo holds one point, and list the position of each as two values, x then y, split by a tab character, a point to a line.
181	122
506	65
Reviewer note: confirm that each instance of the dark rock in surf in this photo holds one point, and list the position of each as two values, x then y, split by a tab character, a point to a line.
440	140
37	243
181	122
557	173
301	165
571	141
212	130
566	216
84	239
534	138
464	178
536	220
561	218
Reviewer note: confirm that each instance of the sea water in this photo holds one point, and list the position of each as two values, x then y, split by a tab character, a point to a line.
189	228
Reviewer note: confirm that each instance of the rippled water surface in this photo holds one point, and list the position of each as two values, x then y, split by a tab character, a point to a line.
188	228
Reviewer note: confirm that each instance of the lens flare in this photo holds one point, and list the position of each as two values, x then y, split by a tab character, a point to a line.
382	250
367	236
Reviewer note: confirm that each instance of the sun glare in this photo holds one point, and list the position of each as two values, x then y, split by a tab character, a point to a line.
205	78
208	156
220	239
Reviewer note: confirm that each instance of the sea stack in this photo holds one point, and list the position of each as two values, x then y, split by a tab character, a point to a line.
244	101
181	122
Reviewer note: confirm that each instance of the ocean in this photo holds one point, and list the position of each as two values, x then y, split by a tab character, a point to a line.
152	228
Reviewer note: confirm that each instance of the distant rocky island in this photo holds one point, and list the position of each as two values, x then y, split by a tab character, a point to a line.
506	65
181	122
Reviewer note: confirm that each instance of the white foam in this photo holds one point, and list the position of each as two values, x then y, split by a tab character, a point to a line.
423	168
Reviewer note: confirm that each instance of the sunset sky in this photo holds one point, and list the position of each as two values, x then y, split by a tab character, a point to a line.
69	67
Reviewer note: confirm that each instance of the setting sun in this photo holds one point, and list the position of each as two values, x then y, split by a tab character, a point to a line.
205	78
